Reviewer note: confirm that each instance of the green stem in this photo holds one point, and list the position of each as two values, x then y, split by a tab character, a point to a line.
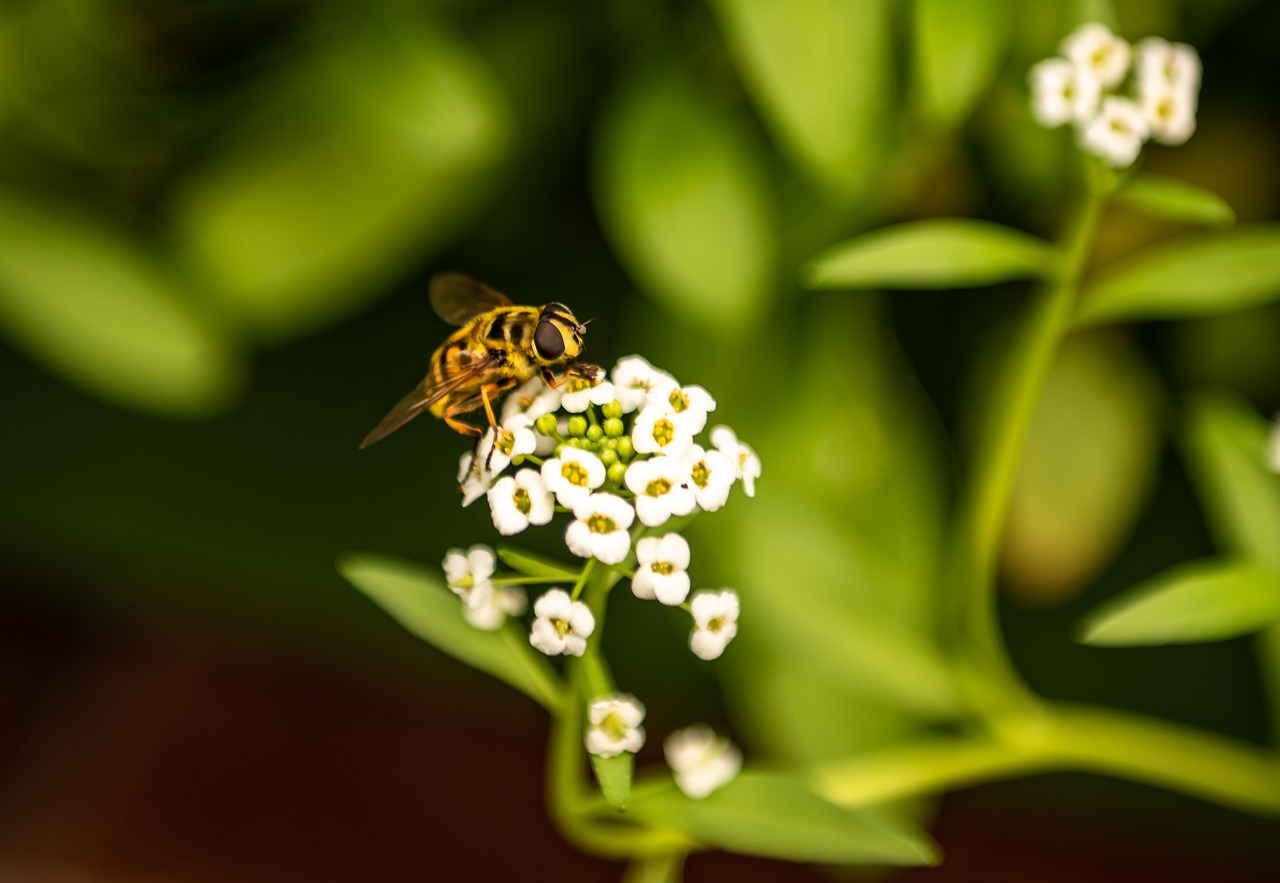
983	512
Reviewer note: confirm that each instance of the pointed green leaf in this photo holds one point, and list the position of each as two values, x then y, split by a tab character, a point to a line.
819	70
938	253
684	200
614	775
777	816
417	598
101	311
1206	601
1193	276
1170	199
958	48
535	565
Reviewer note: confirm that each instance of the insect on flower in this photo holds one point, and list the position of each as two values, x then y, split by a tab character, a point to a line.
499	346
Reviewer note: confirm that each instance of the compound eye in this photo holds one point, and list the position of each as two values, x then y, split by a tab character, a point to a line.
548	341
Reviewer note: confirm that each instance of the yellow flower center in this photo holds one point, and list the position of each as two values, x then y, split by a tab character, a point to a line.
662	567
679	401
664	432
657	487
522	501
574	474
701	474
598	523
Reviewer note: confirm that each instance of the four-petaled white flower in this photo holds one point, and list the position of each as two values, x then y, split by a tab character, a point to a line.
580	394
744	458
662	487
533	398
661	563
473	487
711	475
689	405
573	475
489	606
658	431
615	725
515	502
1098	53
701	760
715	622
561	625
600	528
1168	86
1117	132
633	381
498	448
465	571
1273	447
1173	65
1060	93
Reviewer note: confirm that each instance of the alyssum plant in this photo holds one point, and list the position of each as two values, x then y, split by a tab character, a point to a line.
621	462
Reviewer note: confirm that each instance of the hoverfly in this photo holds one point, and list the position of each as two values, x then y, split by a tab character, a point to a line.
499	346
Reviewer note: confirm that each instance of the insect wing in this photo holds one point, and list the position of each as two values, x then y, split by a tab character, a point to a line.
424	396
457	298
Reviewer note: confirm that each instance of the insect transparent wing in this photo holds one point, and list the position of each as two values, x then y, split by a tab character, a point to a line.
457	298
423	397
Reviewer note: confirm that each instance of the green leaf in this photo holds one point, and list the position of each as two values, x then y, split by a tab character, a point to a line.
417	598
528	564
614	775
819	70
777	816
97	308
958	49
376	149
1206	601
1077	496
1227	451
1170	199
1193	276
938	253
684	201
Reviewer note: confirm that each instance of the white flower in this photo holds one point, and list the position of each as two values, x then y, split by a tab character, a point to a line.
513	438
1170	114
573	475
515	502
561	625
711	475
689	405
715	622
533	398
701	760
658	431
467	570
662	487
1098	53
1061	94
580	393
741	454
1117	132
661	563
600	528
487	608
615	725
1273	447
473	487
1163	64
634	379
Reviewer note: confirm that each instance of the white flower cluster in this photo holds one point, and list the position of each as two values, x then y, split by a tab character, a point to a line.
1077	88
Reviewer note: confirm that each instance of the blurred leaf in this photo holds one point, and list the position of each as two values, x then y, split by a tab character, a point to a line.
655	869
614	776
820	72
1089	462
1206	601
685	202
958	49
370	154
768	814
937	253
417	598
534	565
99	310
1194	276
1171	199
1227	450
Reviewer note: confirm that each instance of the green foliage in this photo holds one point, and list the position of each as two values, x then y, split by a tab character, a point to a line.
535	565
614	775
1170	199
1206	601
958	46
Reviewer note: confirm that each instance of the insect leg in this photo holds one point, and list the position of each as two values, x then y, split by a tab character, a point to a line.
487	392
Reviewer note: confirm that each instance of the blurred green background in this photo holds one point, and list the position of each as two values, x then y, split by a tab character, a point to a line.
217	220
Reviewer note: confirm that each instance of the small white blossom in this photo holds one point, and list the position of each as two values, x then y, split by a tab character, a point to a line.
701	760
715	622
658	431
467	570
581	393
1167	65
711	475
515	502
615	725
1170	114
489	608
1098	53
661	563
533	398
662	487
1273	447
689	405
573	475
634	379
1117	132
561	625
473	487
741	454
1061	94
513	439
600	528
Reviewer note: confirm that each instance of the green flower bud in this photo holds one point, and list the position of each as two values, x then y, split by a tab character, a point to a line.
611	410
625	449
613	427
578	425
617	472
595	433
608	456
546	424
